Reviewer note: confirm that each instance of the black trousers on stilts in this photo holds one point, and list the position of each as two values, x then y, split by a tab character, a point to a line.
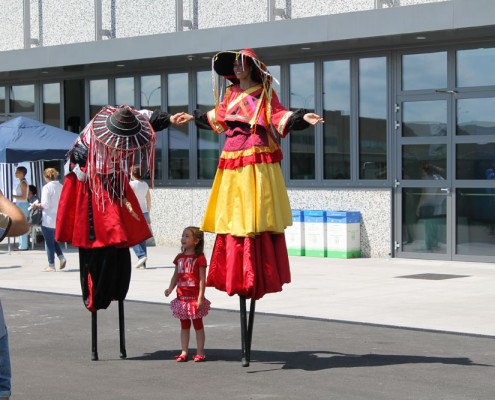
105	275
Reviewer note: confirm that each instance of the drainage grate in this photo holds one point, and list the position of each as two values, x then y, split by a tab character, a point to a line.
433	277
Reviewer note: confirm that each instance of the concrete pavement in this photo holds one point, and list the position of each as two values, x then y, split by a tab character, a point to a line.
291	359
433	295
369	357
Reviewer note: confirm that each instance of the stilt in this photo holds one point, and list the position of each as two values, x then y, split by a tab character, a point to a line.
249	335
94	337
123	353
244	358
246	330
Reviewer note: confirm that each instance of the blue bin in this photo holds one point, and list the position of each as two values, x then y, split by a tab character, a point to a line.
343	234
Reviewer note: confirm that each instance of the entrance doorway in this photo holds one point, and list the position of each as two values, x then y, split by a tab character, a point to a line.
74	105
445	156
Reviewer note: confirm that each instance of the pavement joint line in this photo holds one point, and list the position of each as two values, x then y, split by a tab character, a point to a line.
296	317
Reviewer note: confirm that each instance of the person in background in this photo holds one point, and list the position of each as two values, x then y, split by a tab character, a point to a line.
50	197
32	194
34	214
21	200
142	192
12	223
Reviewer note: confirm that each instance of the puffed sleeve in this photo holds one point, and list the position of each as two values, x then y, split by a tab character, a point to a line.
159	120
201	120
214	118
296	121
284	120
79	153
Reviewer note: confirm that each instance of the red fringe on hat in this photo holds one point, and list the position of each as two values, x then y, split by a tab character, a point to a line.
112	161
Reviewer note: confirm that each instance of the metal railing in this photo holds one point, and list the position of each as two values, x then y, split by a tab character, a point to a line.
275	10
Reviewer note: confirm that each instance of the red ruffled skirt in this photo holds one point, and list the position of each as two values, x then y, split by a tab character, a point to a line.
187	308
249	267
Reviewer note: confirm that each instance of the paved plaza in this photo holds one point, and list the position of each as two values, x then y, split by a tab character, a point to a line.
343	329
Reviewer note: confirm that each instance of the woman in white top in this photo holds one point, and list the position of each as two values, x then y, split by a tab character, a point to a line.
20	196
142	192
50	197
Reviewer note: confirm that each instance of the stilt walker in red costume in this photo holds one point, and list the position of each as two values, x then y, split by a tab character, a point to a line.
98	211
248	207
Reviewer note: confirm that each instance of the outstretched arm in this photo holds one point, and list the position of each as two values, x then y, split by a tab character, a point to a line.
313	119
184	118
19	224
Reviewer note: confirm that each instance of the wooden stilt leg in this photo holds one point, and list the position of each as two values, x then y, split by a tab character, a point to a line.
123	353
94	337
249	334
244	359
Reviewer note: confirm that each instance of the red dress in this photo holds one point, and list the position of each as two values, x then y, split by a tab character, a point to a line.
185	305
103	230
248	207
113	225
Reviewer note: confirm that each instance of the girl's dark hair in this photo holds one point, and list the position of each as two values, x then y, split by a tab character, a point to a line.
22	169
136	171
197	234
33	190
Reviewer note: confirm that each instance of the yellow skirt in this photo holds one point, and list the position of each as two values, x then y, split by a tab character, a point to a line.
248	200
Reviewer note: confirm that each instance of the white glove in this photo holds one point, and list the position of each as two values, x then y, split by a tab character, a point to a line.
80	174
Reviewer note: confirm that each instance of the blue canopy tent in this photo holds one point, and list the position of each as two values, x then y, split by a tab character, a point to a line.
27	142
23	139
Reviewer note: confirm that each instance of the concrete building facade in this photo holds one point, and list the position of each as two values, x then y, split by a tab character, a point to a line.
405	86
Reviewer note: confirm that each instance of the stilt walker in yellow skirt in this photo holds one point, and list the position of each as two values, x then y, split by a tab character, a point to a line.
248	207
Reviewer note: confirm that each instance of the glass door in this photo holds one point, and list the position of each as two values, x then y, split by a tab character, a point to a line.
445	155
423	190
423	133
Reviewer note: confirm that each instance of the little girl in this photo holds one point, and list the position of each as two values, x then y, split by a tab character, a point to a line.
190	304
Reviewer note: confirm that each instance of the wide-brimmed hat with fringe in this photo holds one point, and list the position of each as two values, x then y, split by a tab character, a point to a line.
223	64
116	139
122	128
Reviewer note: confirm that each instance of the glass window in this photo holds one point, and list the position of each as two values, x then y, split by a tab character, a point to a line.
160	145
424	118
422	160
475	222
476	116
424	71
336	113
51	104
178	136
373	118
124	91
22	99
302	143
424	219
275	72
2	99
151	98
475	161
98	96
208	151
475	67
